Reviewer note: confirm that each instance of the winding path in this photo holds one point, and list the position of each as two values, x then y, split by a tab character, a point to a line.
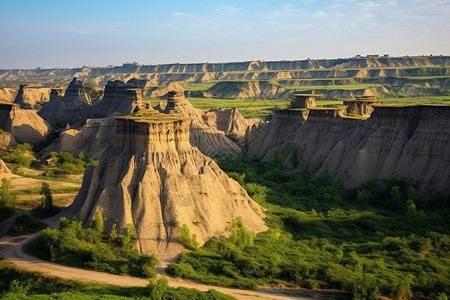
12	249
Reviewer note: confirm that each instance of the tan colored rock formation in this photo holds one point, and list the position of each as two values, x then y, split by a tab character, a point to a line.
92	138
23	124
28	98
4	168
249	89
6	140
164	91
209	140
231	122
153	178
410	141
7	94
305	100
72	108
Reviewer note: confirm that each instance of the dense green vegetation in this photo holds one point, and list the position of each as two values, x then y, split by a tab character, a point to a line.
66	162
53	163
384	238
92	248
7	200
16	283
25	224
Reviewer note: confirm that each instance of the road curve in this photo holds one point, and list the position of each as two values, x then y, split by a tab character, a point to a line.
12	249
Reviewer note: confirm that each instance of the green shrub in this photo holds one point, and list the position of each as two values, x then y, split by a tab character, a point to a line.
92	248
188	240
25	224
324	236
7	199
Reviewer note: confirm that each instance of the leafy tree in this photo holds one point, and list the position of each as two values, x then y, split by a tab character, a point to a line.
47	199
7	199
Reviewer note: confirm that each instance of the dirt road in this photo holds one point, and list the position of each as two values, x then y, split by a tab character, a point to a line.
12	249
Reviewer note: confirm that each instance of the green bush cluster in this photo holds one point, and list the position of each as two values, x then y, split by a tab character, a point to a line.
67	162
22	155
7	200
383	238
187	239
25	224
92	248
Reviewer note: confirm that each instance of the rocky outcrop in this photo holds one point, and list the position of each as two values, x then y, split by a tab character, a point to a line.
162	92
23	124
7	94
119	99
153	178
6	140
4	168
28	98
209	140
249	89
411	142
72	108
229	121
92	138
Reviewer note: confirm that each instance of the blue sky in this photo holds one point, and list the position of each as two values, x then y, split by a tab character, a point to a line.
99	33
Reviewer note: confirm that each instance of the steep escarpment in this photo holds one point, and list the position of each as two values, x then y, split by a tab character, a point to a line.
153	178
411	142
72	108
28	98
209	140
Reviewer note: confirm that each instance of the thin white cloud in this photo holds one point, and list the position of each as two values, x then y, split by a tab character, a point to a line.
226	9
183	14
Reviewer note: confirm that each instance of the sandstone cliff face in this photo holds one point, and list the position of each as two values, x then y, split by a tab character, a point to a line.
28	98
412	142
72	108
153	178
209	140
230	121
7	94
23	124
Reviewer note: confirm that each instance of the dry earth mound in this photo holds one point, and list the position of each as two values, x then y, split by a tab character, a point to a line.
153	178
23	124
3	168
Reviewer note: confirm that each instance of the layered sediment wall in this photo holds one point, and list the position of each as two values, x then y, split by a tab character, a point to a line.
153	178
405	141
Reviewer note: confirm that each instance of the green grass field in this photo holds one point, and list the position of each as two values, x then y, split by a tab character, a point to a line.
249	108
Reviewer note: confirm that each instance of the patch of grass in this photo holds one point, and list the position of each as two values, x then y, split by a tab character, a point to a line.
48	178
444	100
